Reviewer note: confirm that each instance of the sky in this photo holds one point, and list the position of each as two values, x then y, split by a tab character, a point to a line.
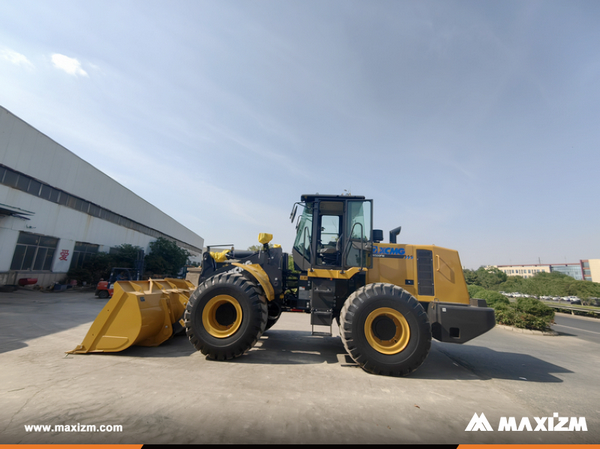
474	125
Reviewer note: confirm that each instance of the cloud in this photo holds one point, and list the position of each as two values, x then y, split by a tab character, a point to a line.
70	65
14	57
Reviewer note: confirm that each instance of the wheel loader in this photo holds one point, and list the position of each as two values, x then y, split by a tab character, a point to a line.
388	299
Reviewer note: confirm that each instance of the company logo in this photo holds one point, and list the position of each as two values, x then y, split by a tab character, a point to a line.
398	253
553	423
479	423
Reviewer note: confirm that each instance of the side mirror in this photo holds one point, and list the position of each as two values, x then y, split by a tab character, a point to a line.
377	235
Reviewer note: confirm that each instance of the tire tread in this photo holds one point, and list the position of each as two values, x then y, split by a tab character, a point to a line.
257	303
359	299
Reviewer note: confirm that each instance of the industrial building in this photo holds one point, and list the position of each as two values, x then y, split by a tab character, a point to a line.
588	269
56	209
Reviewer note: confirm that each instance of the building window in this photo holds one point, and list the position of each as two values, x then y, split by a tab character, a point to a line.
10	178
82	253
21	181
34	252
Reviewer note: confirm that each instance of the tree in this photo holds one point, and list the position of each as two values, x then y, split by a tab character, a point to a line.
470	277
488	278
100	266
491	277
166	258
126	255
552	284
92	270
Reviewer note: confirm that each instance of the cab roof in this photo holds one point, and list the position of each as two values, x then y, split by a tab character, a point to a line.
312	197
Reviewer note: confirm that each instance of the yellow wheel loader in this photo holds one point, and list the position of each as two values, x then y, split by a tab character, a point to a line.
388	299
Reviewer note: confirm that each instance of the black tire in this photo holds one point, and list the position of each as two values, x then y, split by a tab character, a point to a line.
274	313
385	330
103	294
225	316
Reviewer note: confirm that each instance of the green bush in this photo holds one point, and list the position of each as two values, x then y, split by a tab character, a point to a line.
493	298
474	290
534	307
525	313
533	314
505	314
529	321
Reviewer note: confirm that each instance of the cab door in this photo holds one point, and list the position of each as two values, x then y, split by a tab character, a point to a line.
358	240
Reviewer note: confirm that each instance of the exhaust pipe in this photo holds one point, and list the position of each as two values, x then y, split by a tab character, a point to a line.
394	233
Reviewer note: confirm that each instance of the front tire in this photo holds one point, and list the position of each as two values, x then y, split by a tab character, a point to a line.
385	330
225	316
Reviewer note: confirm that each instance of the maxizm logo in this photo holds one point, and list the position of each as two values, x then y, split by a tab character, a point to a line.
554	423
380	251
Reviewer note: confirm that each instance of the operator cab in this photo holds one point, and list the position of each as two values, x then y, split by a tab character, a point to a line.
334	232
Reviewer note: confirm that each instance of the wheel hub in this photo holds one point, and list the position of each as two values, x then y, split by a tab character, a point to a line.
387	331
222	316
384	328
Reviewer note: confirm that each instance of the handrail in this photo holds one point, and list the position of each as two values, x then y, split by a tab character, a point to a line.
347	248
304	246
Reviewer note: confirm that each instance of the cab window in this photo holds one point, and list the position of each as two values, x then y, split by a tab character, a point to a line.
329	247
329	243
359	225
304	233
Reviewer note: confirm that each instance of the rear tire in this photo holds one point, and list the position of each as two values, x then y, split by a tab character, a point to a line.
225	316
274	313
385	330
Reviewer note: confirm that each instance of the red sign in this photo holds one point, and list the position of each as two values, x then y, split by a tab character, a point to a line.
64	254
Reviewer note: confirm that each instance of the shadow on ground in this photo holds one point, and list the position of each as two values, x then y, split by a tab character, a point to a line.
291	347
298	347
28	315
444	362
489	364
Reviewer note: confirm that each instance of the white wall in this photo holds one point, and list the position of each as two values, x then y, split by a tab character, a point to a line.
59	221
25	149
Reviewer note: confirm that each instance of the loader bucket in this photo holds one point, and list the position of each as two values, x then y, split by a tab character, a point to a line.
139	313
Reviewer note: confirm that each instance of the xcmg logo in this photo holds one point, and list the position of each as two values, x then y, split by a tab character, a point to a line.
554	423
381	251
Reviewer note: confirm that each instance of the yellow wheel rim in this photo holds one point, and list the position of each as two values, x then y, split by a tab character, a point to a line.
222	316
387	331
